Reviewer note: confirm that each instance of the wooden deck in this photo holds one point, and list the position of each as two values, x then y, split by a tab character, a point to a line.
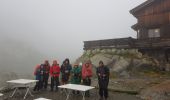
127	43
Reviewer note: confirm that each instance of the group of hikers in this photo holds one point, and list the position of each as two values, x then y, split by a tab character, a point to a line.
76	74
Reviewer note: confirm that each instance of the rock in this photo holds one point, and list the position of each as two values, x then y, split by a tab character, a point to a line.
103	51
124	74
157	92
82	59
139	55
88	52
137	62
167	67
109	51
104	57
120	65
115	57
123	51
94	52
113	50
133	51
98	50
121	62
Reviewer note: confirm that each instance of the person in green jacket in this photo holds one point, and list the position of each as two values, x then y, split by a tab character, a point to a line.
76	76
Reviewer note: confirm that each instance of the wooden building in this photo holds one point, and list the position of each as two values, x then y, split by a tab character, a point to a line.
153	24
153	19
153	31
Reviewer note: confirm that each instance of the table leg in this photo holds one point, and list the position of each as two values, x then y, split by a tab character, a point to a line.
27	91
65	91
30	93
83	94
14	92
68	94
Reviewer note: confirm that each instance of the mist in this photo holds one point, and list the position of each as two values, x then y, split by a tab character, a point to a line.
35	30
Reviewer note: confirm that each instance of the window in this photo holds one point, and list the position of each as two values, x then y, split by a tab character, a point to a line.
153	33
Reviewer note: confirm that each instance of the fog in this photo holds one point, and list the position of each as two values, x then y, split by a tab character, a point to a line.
34	30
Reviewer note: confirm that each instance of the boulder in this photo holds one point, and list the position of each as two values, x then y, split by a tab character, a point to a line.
82	59
157	92
120	65
115	57
114	50
106	58
104	51
88	52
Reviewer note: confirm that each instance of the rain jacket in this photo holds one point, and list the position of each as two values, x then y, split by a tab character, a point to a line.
76	75
55	71
103	76
46	69
86	71
65	71
38	72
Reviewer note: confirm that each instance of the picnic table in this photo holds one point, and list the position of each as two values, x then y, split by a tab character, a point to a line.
69	87
26	83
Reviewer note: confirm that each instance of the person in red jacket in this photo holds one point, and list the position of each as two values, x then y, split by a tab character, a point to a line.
87	74
55	73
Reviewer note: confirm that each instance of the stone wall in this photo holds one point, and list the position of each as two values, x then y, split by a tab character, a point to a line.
122	62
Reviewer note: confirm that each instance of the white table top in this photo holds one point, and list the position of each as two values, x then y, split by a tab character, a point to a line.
76	87
1	94
22	81
42	99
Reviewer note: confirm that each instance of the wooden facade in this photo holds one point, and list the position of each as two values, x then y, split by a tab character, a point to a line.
153	16
153	32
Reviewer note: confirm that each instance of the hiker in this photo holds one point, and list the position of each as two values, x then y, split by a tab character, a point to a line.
65	71
103	80
76	76
86	75
46	67
38	76
55	73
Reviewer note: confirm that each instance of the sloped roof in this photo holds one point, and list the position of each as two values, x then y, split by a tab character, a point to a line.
146	3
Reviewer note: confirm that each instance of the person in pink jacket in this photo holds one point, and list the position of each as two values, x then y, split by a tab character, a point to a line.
87	74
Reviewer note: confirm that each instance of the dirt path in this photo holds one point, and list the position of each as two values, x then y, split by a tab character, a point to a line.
62	96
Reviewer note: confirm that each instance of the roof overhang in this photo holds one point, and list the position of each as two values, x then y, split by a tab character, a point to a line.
143	5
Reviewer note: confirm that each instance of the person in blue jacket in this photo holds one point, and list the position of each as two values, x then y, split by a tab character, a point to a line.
38	76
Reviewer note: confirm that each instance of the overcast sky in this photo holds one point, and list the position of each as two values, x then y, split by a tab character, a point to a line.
58	28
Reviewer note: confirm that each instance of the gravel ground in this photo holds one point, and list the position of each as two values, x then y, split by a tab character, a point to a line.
62	96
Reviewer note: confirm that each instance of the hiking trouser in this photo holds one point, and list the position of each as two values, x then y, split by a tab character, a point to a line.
87	82
37	86
45	81
65	78
103	92
103	88
54	82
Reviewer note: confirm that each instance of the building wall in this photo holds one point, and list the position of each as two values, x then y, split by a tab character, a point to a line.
154	16
143	33
165	31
